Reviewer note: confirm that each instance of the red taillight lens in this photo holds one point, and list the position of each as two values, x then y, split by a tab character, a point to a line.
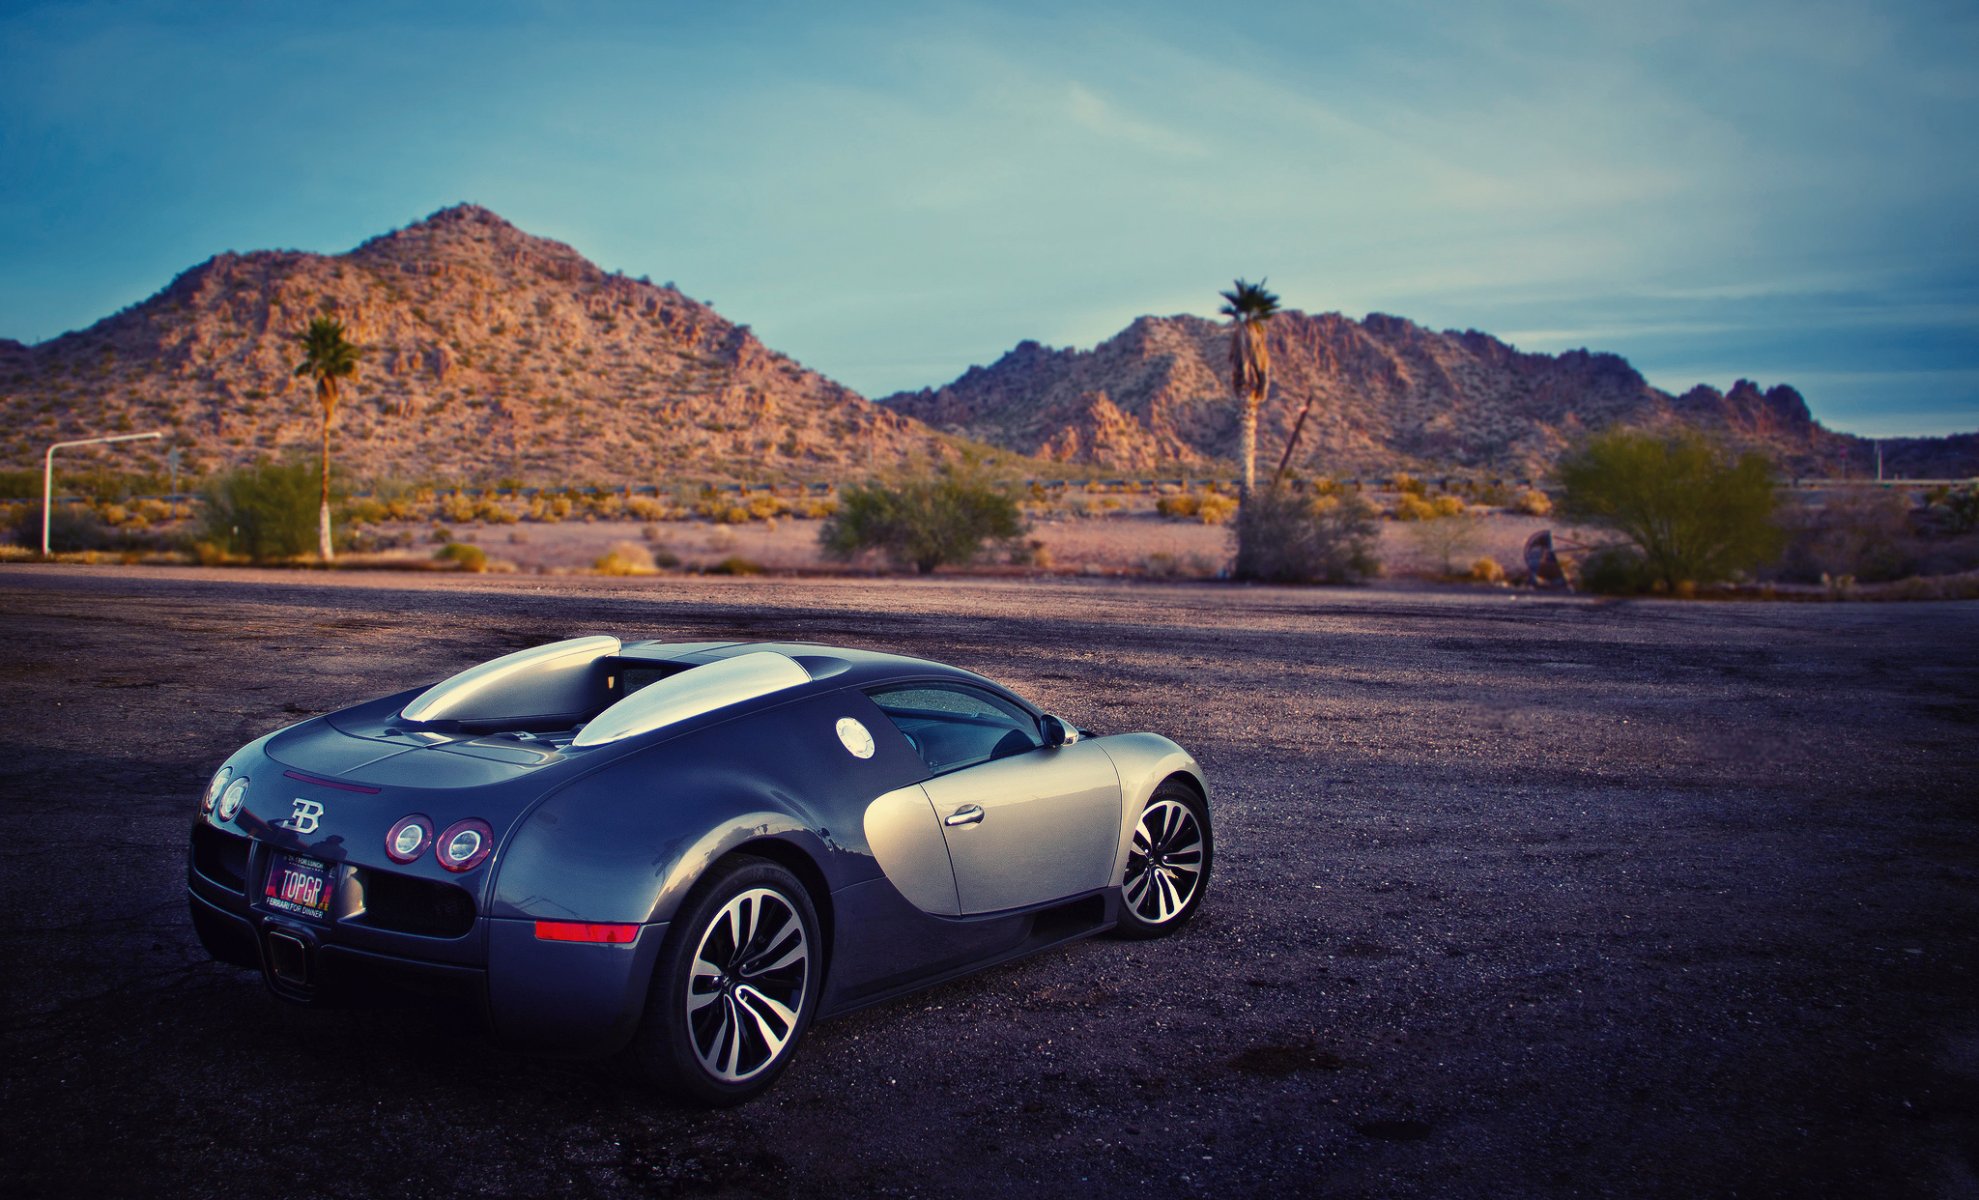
464	845
585	931
408	839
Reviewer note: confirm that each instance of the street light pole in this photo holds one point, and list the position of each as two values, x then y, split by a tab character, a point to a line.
48	473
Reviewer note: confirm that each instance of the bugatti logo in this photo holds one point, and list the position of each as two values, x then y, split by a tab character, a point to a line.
307	816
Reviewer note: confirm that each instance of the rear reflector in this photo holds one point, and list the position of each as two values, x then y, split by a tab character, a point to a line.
583	931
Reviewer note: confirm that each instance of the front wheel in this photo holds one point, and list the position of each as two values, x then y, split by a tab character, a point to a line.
1168	865
734	988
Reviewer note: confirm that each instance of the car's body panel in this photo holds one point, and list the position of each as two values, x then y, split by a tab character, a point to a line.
1048	825
566	998
809	773
905	837
1144	761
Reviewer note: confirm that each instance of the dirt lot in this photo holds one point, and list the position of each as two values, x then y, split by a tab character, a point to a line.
1515	897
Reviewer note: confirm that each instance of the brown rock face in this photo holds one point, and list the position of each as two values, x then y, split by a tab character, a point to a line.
1385	394
489	354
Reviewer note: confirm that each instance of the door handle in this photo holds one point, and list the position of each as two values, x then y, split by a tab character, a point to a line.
968	814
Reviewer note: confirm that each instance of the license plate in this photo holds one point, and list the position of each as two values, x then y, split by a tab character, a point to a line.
300	886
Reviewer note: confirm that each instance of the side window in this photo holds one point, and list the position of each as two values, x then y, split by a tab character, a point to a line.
952	726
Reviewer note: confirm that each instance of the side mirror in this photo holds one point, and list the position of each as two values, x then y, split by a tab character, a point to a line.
1057	732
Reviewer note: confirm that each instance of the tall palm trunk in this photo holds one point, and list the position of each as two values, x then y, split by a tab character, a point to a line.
328	394
1247	445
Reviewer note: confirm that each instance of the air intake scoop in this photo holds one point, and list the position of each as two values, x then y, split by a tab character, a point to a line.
543	682
701	689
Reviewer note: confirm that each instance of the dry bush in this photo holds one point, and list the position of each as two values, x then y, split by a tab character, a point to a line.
466	556
1217	509
1410	506
1532	503
1284	537
626	558
1442	537
1487	570
1860	533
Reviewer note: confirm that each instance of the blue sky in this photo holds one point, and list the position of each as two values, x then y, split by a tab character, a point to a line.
890	193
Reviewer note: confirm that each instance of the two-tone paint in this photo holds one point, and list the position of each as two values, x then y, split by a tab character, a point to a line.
916	876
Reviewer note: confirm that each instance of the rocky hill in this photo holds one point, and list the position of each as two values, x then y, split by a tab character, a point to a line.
1386	394
489	354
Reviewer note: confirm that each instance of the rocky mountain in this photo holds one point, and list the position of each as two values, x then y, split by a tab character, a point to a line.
1385	393
489	354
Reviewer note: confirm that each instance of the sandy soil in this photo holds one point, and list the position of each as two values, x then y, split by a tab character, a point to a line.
1514	897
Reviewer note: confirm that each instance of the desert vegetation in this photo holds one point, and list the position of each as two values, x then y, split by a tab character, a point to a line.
1686	511
923	522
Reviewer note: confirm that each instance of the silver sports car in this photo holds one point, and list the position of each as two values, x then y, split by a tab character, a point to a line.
685	852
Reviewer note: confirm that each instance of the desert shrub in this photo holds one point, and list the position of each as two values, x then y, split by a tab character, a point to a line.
735	564
1216	508
1619	570
626	558
924	522
1532	503
645	508
1960	508
817	510
465	555
70	527
763	506
1409	485
1028	552
267	511
1442	537
457	508
1861	533
1695	514
1487	570
1284	537
1411	507
1179	508
22	484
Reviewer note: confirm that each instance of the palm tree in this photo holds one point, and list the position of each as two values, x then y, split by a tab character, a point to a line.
1249	306
328	358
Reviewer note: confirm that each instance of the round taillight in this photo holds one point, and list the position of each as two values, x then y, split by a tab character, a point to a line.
465	844
230	802
220	778
409	838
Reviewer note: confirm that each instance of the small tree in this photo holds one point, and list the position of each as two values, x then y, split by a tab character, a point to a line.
1695	514
1286	537
327	358
1443	536
925	523
266	511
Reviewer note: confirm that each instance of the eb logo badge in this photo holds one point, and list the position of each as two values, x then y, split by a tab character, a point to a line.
307	816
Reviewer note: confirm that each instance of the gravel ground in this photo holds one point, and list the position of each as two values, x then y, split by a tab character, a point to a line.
1514	897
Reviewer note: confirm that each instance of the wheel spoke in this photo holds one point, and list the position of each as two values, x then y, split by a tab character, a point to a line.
790	938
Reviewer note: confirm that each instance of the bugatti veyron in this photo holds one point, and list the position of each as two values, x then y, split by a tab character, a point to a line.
685	852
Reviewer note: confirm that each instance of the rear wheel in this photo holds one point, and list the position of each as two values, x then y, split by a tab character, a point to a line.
1168	865
735	985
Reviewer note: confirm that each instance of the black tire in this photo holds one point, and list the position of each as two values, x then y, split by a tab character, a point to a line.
708	987
1168	866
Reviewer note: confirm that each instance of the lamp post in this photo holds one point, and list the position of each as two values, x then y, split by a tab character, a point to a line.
48	473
